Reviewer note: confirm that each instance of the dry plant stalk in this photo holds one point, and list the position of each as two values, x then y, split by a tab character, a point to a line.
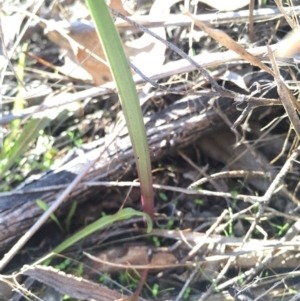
286	16
288	100
226	41
289	45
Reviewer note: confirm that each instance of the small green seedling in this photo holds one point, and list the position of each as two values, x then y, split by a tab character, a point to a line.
155	290
187	293
163	196
63	265
45	207
199	202
70	215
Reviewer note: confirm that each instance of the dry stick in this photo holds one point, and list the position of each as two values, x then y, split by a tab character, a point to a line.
241	197
251	21
22	290
60	100
285	168
57	101
141	284
197	247
217	18
229	174
212	258
186	191
152	266
236	48
43	218
8	62
225	40
243	153
270	289
171	90
254	271
289	102
265	199
229	43
203	173
284	146
233	217
250	105
186	284
267	196
295	298
283	11
247	110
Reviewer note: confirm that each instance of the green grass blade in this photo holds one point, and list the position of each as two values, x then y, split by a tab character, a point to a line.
29	133
100	224
117	60
19	101
70	215
43	205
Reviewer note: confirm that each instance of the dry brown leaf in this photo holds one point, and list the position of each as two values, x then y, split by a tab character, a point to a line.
147	53
229	43
82	40
87	37
133	255
148	266
125	9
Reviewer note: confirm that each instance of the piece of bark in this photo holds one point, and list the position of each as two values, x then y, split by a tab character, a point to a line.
169	130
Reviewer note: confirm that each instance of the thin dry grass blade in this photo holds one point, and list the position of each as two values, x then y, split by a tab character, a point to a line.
288	100
229	43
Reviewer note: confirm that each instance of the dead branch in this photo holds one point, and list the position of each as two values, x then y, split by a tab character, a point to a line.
166	133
